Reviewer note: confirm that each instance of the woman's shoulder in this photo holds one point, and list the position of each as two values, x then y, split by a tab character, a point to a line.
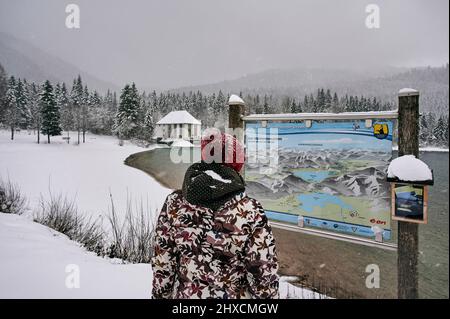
173	199
253	208
175	194
250	203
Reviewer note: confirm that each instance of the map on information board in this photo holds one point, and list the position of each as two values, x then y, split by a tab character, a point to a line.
331	175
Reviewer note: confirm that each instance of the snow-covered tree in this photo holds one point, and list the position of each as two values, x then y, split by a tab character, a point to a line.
3	90
85	108
66	111
51	125
127	115
16	105
11	111
440	131
76	100
35	110
335	107
149	123
22	103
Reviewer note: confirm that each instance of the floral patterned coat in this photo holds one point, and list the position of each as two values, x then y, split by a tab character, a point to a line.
199	253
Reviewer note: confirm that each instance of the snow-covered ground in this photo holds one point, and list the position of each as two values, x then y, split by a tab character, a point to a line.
86	172
36	261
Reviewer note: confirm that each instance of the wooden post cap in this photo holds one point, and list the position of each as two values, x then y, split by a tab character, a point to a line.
235	100
408	92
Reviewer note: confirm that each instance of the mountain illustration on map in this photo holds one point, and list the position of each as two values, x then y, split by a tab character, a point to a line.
314	173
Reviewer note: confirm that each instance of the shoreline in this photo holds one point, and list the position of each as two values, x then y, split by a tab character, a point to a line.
428	149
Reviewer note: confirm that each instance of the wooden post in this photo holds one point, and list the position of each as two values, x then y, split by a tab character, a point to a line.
408	233
235	122
236	111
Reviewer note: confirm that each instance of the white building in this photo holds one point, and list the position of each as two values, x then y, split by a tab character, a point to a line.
178	125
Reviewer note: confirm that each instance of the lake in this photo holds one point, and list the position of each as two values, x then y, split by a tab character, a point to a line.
434	237
313	176
309	201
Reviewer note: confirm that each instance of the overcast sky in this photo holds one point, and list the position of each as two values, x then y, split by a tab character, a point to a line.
170	43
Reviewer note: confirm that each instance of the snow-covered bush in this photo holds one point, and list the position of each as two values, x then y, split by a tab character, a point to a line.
12	201
62	215
132	238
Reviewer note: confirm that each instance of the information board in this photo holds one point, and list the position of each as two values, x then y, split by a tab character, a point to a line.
329	175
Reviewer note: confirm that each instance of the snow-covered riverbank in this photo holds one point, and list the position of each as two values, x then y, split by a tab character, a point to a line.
87	172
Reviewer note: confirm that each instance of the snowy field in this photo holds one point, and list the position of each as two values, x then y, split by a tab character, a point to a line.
36	261
87	172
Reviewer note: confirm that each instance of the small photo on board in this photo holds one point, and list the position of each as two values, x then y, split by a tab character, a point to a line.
409	203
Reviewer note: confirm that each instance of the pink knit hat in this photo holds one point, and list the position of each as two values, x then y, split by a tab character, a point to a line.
233	154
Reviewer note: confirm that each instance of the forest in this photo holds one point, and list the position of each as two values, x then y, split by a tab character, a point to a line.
53	109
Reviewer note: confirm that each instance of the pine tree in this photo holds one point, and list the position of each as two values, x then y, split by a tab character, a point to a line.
439	131
3	90
219	105
445	140
149	124
126	117
17	104
63	102
312	104
335	107
27	119
328	101
50	112
22	103
35	110
76	100
431	122
266	105
85	107
209	112
12	114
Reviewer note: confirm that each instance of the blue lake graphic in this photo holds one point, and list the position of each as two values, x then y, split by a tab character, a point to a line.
309	201
313	176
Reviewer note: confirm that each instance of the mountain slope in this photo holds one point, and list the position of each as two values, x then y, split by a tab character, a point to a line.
433	83
21	59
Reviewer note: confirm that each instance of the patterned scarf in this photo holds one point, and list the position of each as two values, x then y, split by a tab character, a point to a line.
211	185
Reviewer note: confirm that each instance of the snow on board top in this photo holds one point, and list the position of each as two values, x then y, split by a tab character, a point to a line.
323	116
408	168
234	99
179	117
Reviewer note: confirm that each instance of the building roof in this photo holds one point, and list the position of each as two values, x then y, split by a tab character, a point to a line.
179	117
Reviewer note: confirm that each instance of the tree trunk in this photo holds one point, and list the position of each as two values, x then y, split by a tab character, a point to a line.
48	138
78	136
39	133
12	132
84	136
68	137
